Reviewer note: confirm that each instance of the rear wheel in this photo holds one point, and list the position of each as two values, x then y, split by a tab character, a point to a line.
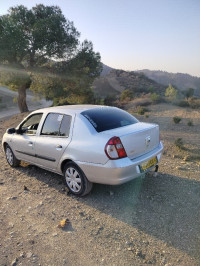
76	180
10	157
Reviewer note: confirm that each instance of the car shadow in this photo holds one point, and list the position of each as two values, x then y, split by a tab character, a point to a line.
164	206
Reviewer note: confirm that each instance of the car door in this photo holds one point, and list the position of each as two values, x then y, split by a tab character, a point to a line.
53	140
23	142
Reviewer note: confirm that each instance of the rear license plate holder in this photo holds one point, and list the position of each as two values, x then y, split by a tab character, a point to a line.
150	163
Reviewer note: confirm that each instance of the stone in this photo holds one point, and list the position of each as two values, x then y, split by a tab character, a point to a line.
14	262
29	255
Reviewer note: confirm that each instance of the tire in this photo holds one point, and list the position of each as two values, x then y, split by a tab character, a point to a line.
76	180
10	157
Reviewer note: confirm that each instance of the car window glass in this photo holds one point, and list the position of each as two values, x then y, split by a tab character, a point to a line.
52	125
108	118
65	126
56	125
31	124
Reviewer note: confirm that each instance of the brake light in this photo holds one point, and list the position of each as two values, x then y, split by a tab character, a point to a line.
114	149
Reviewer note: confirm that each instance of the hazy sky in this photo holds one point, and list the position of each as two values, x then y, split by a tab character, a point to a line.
135	34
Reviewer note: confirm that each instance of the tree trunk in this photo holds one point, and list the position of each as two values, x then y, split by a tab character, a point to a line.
22	100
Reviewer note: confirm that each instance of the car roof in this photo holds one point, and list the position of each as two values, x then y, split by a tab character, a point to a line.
70	109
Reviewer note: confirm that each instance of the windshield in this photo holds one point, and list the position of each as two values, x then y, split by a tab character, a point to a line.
108	118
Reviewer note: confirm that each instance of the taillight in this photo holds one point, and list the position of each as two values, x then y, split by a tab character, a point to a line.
114	149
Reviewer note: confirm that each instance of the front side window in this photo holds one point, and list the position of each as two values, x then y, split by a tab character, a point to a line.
56	125
29	127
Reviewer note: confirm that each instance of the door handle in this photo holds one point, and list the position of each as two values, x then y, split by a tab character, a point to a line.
30	143
58	147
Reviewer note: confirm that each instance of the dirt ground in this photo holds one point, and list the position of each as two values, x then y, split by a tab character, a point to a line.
152	220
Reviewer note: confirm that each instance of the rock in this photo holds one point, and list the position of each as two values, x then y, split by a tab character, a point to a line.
14	262
26	189
129	243
11	198
11	225
29	255
139	253
187	158
32	242
22	255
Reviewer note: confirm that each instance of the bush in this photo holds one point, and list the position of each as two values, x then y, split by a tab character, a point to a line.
183	103
190	123
176	119
194	103
179	143
155	97
110	100
171	92
142	102
141	110
126	95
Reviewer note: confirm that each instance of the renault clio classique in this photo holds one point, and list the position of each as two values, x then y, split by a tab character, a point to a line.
86	144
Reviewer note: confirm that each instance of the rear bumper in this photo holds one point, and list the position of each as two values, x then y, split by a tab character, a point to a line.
116	172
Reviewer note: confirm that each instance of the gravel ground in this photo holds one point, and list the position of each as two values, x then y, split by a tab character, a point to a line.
152	220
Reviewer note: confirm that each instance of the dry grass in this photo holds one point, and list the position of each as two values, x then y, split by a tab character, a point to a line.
162	114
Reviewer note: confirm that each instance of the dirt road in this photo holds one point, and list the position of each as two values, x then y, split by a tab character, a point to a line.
12	108
155	220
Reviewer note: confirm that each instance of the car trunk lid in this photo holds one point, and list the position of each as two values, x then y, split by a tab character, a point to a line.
137	139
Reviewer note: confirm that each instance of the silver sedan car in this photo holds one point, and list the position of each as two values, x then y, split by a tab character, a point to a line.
86	144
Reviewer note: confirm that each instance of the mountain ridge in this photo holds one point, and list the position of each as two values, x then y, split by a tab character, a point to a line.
181	81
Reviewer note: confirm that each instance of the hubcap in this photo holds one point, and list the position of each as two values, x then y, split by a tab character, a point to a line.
9	156
73	179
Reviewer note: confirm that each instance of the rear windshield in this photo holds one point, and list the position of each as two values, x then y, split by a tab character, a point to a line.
108	118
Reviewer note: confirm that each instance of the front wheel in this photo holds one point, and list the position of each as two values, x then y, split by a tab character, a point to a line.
76	180
10	157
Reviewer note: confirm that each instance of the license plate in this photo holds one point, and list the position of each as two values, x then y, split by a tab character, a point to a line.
148	164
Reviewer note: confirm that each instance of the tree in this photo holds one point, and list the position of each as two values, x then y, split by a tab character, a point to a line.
171	92
69	82
188	93
30	38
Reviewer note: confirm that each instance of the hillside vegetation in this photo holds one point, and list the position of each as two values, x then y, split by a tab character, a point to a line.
116	81
179	80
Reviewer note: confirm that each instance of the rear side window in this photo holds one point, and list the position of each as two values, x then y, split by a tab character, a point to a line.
108	118
56	125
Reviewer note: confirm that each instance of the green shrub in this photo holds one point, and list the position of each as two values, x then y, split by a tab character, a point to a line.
179	143
126	95
155	97
190	123
141	110
176	119
171	92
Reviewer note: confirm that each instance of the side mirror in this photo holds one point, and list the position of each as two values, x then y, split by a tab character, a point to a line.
11	130
21	131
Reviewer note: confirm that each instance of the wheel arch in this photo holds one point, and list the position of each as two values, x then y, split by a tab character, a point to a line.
4	145
64	162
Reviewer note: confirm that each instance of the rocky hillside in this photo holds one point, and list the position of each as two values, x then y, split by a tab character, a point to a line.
115	81
179	80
